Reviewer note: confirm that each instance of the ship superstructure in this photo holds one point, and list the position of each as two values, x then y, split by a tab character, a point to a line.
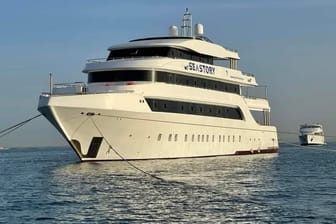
160	98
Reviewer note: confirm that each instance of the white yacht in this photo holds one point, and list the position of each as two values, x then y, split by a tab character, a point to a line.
177	96
311	134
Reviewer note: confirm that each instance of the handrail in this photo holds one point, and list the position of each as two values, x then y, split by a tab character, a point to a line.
70	84
248	74
254	92
95	60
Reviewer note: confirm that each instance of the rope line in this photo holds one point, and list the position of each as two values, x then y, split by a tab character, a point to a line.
297	133
237	128
190	124
308	146
12	128
122	158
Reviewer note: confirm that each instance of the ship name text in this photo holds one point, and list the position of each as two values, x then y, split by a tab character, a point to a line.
200	68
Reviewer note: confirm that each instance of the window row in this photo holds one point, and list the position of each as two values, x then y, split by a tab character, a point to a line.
185	80
120	76
194	108
159	52
159	76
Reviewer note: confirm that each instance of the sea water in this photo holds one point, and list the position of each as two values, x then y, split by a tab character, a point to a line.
50	185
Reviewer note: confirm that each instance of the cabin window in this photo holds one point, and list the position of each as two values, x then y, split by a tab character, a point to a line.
158	52
179	79
120	76
181	107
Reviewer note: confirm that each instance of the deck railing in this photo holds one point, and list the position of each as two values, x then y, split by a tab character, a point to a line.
254	92
69	88
99	60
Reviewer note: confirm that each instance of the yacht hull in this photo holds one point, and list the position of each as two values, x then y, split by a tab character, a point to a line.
98	131
310	139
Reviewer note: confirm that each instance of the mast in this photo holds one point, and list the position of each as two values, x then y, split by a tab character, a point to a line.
186	27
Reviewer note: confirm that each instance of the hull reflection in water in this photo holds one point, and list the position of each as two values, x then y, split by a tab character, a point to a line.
193	190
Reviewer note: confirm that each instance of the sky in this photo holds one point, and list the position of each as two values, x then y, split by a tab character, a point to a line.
289	45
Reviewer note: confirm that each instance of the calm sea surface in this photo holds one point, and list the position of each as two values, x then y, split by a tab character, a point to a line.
49	185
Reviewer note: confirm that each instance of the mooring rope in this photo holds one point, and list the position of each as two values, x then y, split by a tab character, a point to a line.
297	133
122	158
12	128
317	147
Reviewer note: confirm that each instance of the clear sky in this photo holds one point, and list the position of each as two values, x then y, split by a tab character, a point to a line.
289	45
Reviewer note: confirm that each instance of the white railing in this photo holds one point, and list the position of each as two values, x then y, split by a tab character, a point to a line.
254	92
95	60
100	60
248	74
83	88
69	88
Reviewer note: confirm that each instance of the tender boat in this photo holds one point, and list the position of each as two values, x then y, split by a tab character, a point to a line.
177	96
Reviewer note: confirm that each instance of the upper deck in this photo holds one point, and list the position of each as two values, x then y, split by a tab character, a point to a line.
198	45
178	66
188	54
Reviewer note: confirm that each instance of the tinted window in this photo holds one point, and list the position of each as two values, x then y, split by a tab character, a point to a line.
159	51
119	76
185	80
194	108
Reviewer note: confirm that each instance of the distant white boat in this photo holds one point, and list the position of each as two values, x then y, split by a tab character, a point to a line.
1	147
311	134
